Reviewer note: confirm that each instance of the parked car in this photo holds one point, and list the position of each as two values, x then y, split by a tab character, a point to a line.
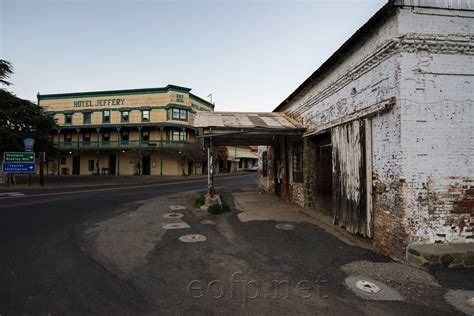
252	168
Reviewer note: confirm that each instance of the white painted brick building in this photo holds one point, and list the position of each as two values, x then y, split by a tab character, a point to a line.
391	115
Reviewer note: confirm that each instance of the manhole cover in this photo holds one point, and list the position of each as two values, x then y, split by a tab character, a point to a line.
176	207
462	300
470	300
367	286
193	238
208	222
176	226
285	226
173	215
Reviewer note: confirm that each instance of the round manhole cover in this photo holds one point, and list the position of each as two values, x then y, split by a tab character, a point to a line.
285	226
470	300
173	215
367	286
176	225
193	238
208	222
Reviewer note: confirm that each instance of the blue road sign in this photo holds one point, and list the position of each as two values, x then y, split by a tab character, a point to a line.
19	167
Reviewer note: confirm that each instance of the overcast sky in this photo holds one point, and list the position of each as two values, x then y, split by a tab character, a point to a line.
249	54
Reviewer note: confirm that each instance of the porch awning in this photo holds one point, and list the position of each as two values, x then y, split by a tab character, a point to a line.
245	128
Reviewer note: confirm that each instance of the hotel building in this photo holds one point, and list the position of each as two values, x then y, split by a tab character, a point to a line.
124	132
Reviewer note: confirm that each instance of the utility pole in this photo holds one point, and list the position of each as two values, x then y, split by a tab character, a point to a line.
42	157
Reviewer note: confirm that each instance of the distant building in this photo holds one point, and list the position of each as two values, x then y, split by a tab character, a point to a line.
126	132
388	150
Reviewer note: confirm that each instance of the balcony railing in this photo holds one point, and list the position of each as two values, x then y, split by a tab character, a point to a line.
122	144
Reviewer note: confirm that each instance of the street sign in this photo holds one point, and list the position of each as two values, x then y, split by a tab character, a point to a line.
29	143
19	167
18	157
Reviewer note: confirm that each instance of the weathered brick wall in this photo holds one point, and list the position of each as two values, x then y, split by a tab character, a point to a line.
437	116
422	149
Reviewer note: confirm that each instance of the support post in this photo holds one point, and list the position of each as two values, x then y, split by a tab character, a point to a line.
161	150
119	137
210	170
98	154
59	151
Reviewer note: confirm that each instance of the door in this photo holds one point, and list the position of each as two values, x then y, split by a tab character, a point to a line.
112	162
352	183
146	166
76	165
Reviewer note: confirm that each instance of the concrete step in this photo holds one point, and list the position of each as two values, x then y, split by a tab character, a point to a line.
435	256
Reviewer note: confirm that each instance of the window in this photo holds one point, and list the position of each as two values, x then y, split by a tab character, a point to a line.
63	160
106	116
179	114
125	116
87	118
105	137
180	98
297	162
124	137
86	138
68	118
145	136
91	165
178	136
67	138
145	115
264	163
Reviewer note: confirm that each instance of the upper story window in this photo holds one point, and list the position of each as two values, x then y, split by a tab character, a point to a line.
145	115
68	118
178	136
68	138
87	118
124	137
106	116
86	137
180	98
145	135
125	116
179	114
105	137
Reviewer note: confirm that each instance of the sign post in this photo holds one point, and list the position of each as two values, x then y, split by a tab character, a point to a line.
19	162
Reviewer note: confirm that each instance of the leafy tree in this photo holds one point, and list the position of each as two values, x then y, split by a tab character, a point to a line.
20	119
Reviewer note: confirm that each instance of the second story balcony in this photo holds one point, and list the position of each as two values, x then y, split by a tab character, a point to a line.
119	144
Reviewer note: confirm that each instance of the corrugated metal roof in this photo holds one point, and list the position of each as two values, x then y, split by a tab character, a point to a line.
246	120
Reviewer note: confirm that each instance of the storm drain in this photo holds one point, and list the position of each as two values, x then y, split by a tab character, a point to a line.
462	300
208	222
173	215
371	290
285	226
176	226
176	207
193	238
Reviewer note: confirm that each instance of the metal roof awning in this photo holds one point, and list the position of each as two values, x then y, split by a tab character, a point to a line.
245	128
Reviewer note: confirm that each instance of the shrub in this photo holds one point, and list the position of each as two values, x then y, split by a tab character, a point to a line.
200	201
218	209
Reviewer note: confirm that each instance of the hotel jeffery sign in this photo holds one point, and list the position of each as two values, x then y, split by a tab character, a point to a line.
100	102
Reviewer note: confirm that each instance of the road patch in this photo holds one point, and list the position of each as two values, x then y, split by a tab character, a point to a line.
369	289
173	215
177	207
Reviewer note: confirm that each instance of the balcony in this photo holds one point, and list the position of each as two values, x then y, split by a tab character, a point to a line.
122	144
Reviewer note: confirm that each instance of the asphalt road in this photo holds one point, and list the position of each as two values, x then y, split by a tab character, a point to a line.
42	266
46	267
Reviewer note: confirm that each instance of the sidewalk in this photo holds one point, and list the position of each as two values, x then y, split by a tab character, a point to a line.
262	206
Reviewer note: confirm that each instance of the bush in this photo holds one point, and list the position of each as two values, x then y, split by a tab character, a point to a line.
218	209
200	201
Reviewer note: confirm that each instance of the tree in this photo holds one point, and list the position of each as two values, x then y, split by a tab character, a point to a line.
6	70
21	119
